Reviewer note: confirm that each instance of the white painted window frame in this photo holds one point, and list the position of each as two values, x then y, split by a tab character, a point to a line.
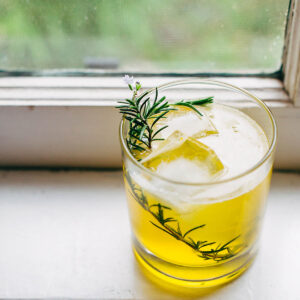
72	122
291	55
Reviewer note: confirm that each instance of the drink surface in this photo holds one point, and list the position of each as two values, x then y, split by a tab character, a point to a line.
187	229
235	139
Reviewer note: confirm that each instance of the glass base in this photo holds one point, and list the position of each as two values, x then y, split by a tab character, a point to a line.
193	277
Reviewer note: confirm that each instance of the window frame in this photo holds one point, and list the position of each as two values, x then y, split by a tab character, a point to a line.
291	53
56	119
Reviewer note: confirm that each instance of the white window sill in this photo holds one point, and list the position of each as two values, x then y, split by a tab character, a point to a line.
72	122
67	235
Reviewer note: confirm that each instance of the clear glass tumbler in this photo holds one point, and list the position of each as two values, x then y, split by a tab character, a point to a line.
231	209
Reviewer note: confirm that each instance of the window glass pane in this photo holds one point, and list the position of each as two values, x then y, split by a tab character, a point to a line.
142	35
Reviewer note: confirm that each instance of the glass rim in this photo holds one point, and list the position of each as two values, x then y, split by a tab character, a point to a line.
211	183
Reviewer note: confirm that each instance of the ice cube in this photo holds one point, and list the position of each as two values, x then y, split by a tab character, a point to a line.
188	122
183	158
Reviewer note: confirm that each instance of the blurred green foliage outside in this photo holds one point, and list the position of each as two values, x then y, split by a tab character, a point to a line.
143	35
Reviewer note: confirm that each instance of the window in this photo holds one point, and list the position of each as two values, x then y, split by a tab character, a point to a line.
143	35
61	63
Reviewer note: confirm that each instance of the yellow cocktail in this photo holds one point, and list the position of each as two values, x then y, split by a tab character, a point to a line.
197	198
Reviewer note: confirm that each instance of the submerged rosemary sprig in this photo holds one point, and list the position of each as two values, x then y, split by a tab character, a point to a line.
143	114
158	211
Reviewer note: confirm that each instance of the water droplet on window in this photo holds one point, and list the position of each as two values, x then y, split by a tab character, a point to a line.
235	129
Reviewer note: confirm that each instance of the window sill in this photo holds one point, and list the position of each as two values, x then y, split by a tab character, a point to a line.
72	122
56	230
103	91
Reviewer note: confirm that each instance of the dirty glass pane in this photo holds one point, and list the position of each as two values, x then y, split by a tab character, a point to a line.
142	35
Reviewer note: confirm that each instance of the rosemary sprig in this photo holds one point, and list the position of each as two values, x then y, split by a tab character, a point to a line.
158	211
192	104
143	114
